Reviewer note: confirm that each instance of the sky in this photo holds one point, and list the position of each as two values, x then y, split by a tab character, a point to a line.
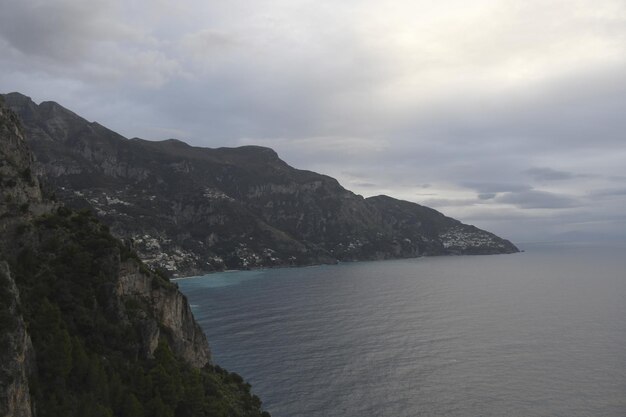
509	115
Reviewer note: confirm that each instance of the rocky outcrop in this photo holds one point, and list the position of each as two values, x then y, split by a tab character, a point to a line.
16	351
188	210
20	193
170	315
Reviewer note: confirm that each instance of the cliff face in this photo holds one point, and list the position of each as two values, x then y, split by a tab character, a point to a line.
169	315
16	351
19	190
190	210
20	194
85	327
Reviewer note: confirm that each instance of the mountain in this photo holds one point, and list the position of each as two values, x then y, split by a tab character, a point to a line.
188	210
86	329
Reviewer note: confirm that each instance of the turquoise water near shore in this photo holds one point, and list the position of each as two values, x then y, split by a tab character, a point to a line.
531	334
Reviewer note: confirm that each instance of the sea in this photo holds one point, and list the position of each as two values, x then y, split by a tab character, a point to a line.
538	333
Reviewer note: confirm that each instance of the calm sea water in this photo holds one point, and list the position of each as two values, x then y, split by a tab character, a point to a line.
540	333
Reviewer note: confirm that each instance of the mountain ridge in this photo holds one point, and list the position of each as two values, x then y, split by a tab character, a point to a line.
190	210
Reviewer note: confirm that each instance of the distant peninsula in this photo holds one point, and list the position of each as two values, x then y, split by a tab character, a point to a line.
189	210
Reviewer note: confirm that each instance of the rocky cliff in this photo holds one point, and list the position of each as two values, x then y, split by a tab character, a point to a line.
19	194
166	313
16	351
189	210
86	328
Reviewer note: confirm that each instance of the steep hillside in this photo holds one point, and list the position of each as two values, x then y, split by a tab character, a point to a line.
189	210
86	329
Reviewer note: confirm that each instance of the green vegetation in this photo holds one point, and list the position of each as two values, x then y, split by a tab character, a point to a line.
88	348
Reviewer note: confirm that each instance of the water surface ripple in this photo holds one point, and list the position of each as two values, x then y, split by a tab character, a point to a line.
541	333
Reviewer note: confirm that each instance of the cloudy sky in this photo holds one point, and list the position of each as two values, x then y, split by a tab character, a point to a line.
505	114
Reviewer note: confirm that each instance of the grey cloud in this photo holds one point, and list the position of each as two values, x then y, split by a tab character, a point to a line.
551	225
567	118
96	45
61	30
534	199
548	174
203	41
447	202
486	188
526	199
608	192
